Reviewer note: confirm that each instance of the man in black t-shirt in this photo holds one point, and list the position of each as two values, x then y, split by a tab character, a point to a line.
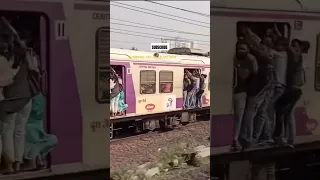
245	68
186	88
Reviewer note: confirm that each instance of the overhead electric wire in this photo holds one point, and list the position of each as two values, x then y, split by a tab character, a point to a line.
185	10
160	16
147	36
157	35
129	42
156	28
160	12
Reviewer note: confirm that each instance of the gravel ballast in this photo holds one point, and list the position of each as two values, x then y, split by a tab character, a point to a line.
136	151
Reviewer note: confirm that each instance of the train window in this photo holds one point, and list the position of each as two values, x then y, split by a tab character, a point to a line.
317	68
165	81
147	82
102	66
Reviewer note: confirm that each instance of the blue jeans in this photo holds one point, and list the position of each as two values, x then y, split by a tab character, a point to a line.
255	117
239	104
274	111
191	98
199	98
185	102
285	123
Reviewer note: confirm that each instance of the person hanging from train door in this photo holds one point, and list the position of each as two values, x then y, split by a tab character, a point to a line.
122	106
115	94
255	117
280	63
196	74
7	74
266	137
18	105
199	94
38	143
186	89
285	125
246	68
195	82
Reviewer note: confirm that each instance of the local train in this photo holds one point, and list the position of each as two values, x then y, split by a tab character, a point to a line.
295	20
145	76
67	33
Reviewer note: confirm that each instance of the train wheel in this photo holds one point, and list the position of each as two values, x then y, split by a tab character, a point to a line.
162	124
151	125
184	120
192	117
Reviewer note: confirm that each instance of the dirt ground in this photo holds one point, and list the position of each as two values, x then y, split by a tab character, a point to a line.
137	151
188	173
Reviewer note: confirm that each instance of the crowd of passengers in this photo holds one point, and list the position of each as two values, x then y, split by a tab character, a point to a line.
117	103
24	144
269	78
193	89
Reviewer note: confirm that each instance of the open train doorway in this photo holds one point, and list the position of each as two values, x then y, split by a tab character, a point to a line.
118	90
191	83
26	143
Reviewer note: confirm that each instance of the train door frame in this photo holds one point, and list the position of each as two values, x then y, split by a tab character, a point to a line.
44	38
44	64
43	60
123	76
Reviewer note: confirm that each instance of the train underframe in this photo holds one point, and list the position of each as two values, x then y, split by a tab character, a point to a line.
155	123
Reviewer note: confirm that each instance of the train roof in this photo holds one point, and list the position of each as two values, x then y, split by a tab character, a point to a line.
276	5
132	55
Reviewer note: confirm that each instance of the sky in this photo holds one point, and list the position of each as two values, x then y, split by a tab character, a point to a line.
126	41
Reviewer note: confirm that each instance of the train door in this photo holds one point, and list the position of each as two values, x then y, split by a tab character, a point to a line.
120	72
26	29
295	68
187	73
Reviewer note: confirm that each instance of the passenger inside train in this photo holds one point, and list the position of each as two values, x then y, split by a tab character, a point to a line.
268	79
118	106
166	83
24	143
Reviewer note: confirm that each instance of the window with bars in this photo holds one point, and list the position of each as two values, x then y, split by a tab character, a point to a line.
165	81
147	82
103	65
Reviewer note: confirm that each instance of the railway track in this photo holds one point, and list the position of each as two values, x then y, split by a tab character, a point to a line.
146	134
151	133
144	148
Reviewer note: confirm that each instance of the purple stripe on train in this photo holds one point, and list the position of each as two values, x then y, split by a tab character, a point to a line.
222	125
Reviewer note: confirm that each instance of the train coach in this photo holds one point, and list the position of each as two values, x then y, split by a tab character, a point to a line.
297	22
63	34
154	87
